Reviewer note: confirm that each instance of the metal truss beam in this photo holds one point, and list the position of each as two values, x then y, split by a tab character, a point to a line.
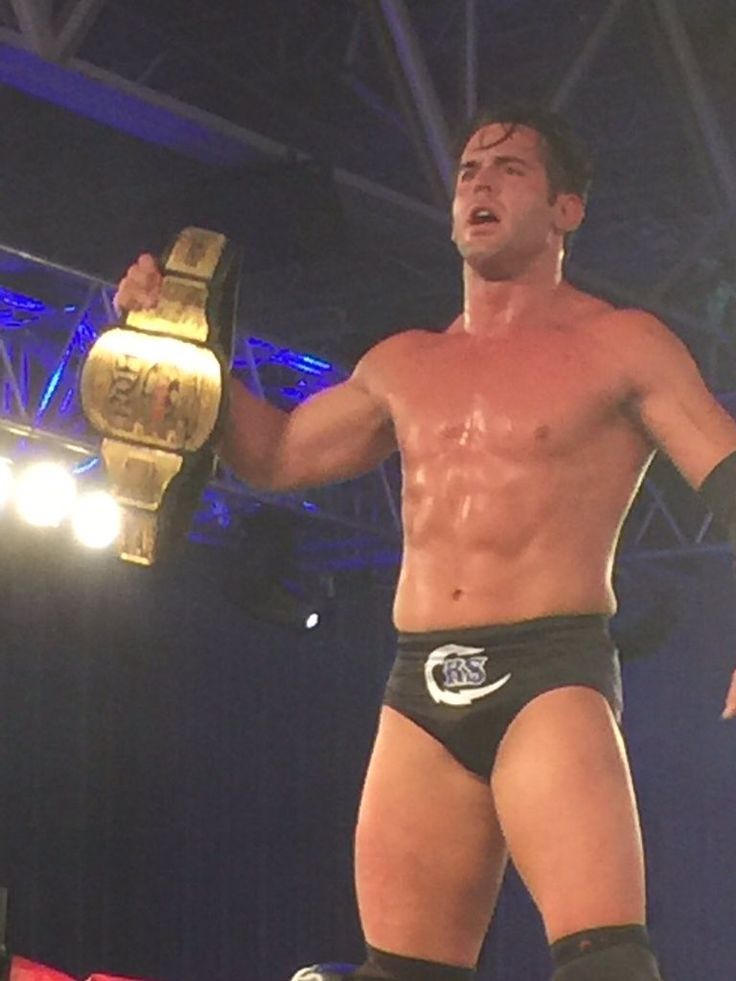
690	256
165	121
582	63
14	397
471	58
414	88
74	25
34	20
671	24
55	40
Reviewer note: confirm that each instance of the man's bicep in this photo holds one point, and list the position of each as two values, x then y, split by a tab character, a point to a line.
337	434
678	411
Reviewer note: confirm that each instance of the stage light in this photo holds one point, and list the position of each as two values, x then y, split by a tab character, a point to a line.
44	494
6	481
96	519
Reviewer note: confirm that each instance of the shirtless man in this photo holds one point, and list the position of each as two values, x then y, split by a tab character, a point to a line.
524	430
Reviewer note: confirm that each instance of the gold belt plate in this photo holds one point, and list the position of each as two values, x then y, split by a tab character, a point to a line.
157	391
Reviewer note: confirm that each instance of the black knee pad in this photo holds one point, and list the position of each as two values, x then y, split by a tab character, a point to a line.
382	966
620	953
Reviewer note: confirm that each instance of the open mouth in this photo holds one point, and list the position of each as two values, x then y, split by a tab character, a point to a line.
482	216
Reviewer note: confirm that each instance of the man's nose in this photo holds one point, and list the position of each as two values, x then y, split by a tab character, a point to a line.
484	179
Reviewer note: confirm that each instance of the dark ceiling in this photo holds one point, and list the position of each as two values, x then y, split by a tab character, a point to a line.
648	83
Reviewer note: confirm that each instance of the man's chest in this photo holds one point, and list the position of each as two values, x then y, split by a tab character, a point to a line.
505	399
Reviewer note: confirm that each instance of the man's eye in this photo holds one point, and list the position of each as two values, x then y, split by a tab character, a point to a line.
466	171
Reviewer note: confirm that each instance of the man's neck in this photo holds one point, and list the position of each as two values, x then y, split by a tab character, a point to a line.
498	307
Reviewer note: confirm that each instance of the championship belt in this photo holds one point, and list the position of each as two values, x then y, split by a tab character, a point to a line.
154	387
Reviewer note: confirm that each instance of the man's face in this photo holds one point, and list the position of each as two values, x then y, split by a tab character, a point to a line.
503	214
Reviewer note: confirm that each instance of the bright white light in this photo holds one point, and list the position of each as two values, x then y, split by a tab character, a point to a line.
44	494
311	621
96	519
6	481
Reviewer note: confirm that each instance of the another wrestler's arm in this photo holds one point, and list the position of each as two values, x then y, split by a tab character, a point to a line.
684	420
339	433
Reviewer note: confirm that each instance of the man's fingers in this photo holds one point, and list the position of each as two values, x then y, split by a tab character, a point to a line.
145	272
147	261
729	711
139	288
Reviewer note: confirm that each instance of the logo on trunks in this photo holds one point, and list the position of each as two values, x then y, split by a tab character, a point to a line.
462	669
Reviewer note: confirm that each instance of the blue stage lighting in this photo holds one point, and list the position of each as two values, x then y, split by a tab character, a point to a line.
85	466
51	385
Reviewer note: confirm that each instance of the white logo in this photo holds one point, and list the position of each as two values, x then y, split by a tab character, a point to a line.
462	669
324	972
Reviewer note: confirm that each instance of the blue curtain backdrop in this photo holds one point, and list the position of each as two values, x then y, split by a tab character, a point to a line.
179	782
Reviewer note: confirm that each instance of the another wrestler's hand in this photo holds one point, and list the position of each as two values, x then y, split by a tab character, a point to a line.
729	712
140	287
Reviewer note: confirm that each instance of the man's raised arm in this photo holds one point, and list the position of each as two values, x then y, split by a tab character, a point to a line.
339	433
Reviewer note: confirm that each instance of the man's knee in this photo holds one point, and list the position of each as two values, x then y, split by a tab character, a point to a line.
620	953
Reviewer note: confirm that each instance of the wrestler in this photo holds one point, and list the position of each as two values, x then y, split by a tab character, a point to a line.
524	431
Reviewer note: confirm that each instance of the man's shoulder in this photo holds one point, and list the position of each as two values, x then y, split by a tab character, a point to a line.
588	309
380	362
618	323
394	346
638	344
585	307
633	325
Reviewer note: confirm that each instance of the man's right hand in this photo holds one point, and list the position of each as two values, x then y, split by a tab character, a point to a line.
139	289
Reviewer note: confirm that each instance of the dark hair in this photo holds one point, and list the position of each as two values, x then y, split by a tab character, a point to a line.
567	159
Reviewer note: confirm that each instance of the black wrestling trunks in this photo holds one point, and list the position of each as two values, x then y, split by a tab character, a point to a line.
465	687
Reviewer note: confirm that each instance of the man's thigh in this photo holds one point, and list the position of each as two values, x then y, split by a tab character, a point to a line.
564	798
430	855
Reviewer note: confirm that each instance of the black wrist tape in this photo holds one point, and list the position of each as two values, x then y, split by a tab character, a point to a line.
718	493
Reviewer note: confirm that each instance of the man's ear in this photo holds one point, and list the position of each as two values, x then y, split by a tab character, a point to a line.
569	212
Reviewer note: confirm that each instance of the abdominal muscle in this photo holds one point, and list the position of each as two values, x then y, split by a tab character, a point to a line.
531	542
